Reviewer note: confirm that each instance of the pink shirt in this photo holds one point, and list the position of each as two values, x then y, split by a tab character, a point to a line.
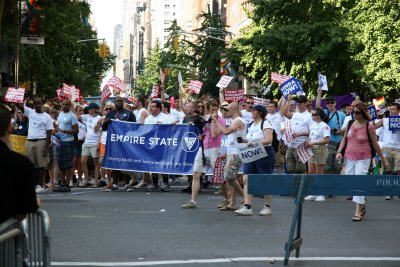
357	143
209	141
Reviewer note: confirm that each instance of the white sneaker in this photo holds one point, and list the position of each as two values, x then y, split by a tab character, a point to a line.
320	199
311	197
265	211
39	189
244	211
389	198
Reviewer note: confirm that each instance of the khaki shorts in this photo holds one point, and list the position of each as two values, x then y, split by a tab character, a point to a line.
320	155
232	167
34	151
392	155
293	162
210	156
90	150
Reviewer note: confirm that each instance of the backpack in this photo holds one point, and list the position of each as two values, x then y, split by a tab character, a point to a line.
275	141
373	151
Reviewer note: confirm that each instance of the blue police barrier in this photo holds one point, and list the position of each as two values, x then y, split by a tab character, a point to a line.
309	184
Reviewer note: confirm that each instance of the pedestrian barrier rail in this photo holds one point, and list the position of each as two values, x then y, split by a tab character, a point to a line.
26	243
309	184
10	244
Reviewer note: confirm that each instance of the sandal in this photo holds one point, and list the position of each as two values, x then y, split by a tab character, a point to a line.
363	211
357	218
227	208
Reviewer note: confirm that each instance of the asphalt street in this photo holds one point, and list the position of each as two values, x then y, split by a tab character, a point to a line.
90	227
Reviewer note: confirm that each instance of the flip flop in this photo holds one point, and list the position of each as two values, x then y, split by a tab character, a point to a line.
363	211
357	218
227	209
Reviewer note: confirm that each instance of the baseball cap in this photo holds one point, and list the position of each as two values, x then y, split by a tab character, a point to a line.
93	105
301	98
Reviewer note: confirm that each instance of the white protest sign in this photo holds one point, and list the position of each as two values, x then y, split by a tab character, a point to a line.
224	81
288	132
323	82
15	95
261	101
397	100
267	89
251	153
304	153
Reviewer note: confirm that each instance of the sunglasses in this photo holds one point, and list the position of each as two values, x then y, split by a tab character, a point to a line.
108	109
225	109
330	103
357	112
314	114
200	106
250	103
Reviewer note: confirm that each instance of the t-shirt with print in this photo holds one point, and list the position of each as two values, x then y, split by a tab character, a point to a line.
247	116
276	120
389	139
301	122
92	138
65	121
39	123
160	118
318	131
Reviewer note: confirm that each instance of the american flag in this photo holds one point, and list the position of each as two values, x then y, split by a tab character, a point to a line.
116	83
162	76
105	93
279	78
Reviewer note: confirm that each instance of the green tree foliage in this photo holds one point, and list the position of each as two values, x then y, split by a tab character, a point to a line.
375	35
207	51
297	38
151	74
61	58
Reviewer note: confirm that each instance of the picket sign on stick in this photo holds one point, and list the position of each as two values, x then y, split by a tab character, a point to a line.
224	81
15	95
194	86
323	82
105	93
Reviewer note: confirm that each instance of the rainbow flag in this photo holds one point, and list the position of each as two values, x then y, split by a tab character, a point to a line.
379	102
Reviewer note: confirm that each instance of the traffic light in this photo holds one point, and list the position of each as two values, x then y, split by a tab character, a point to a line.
175	42
107	51
102	50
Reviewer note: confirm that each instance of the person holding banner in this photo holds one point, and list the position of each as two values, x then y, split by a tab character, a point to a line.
122	114
390	140
356	151
211	137
260	131
233	162
319	138
139	108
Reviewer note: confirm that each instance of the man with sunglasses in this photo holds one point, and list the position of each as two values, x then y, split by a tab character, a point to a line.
335	120
247	114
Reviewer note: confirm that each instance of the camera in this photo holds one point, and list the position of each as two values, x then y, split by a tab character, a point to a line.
334	130
239	139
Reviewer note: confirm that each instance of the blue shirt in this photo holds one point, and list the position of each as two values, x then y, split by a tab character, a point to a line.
335	122
65	122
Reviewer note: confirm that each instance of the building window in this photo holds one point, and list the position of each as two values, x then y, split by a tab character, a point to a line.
166	6
166	14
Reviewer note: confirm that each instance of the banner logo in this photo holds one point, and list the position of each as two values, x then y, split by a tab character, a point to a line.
190	142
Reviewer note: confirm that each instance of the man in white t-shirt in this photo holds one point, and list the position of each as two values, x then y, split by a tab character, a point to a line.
276	119
39	134
390	141
247	112
300	124
156	117
139	109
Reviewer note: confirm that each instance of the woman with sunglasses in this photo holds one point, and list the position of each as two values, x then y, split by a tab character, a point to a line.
357	155
319	138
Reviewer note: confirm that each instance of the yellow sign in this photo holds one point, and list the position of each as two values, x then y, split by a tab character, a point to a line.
18	143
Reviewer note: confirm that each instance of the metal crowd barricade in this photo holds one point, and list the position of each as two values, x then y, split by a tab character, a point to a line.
11	247
37	239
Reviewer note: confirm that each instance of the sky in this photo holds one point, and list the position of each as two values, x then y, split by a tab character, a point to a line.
107	15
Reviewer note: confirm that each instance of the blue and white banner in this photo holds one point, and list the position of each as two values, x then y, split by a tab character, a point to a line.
290	87
158	148
372	113
394	123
